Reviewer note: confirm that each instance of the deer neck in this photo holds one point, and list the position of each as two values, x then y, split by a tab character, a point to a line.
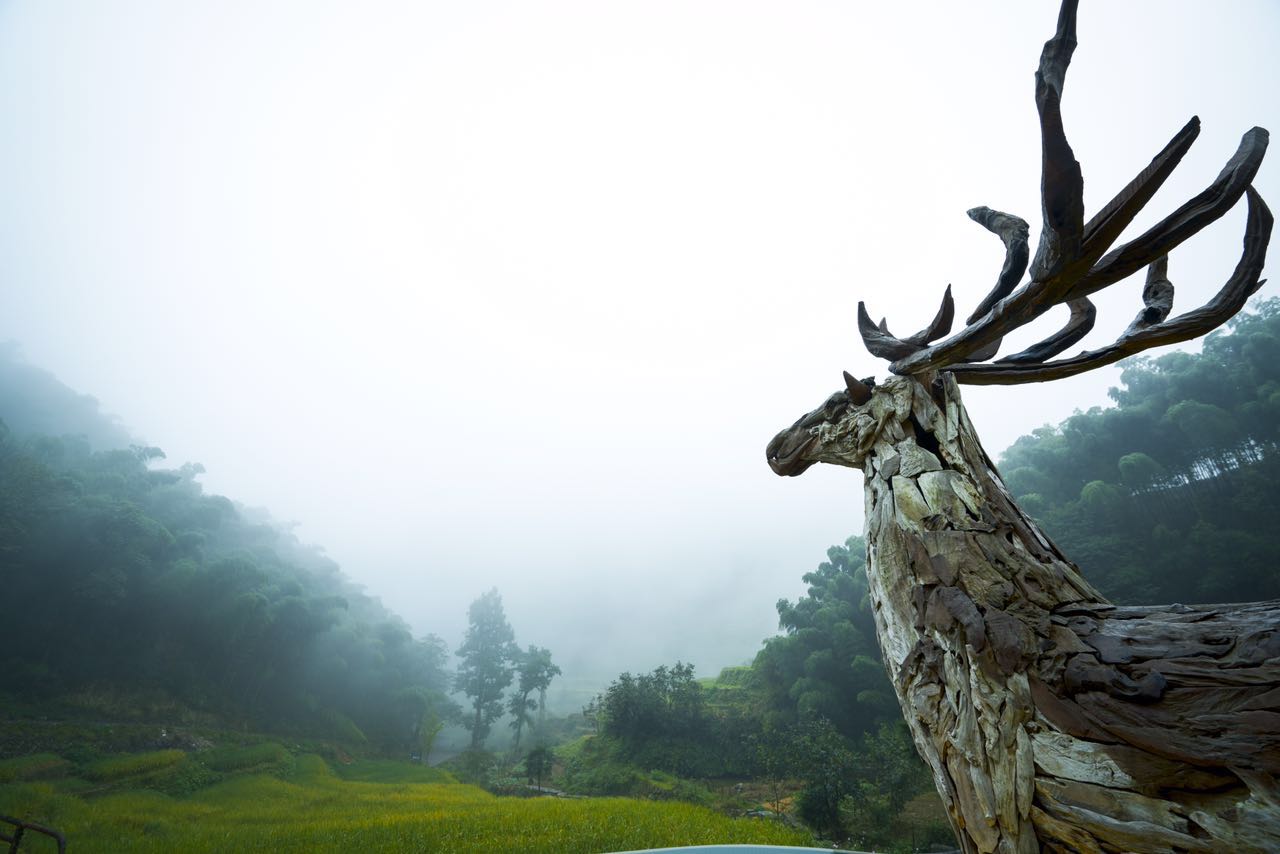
963	588
948	549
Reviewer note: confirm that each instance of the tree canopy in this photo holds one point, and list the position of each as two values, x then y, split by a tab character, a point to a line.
1167	496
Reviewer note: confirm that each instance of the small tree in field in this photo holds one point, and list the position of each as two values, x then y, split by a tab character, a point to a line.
775	762
538	765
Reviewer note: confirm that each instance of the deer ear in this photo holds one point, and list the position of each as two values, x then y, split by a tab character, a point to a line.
859	392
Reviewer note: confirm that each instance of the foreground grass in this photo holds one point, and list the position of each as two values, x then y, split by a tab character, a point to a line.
314	810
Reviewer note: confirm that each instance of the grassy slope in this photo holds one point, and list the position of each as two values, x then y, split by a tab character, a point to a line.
311	809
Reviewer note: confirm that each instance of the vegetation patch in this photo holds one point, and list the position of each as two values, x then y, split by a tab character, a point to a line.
390	771
267	755
133	765
315	810
40	766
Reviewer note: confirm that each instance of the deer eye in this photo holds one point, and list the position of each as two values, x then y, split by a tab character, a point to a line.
835	404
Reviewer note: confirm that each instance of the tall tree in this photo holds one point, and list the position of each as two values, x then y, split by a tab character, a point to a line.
488	653
535	674
545	672
520	704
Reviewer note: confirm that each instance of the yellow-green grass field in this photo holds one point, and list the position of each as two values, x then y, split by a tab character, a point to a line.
309	808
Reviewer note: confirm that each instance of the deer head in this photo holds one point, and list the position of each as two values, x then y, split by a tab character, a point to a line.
840	431
1073	260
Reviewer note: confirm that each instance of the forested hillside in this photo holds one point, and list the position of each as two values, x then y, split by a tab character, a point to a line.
1169	496
131	593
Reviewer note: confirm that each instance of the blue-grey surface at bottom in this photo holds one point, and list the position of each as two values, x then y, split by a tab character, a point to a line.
738	849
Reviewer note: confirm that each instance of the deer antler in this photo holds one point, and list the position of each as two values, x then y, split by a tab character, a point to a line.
1072	261
1150	329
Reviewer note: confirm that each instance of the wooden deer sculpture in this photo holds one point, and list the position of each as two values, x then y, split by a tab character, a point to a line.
1051	719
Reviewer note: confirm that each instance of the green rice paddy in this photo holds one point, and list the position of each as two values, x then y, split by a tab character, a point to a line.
307	807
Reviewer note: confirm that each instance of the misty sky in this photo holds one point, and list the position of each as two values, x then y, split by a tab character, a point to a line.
514	294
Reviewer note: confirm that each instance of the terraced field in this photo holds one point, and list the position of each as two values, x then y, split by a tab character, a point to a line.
264	799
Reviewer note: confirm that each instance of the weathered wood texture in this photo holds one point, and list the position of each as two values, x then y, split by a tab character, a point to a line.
1051	719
